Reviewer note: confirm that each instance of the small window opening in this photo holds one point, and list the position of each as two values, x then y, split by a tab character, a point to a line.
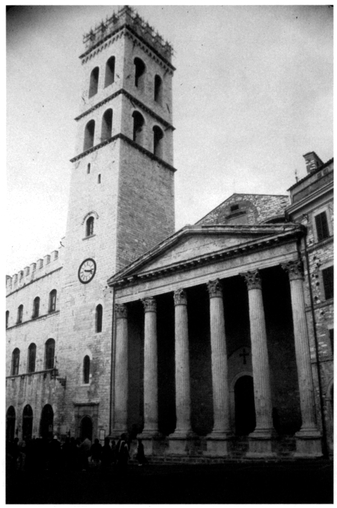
158	88
88	168
139	72
52	300
138	123
36	307
7	318
106	125
99	318
327	275
89	134
234	207
93	86
90	226
86	370
31	357
157	141
15	362
99	178
49	354
322	226
20	314
110	71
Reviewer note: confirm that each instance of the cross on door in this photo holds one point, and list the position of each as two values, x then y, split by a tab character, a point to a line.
244	354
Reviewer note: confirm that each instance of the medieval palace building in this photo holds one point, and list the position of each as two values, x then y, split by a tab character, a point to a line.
212	341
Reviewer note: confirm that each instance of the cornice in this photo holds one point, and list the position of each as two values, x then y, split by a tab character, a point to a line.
34	280
129	32
318	193
133	100
260	244
130	142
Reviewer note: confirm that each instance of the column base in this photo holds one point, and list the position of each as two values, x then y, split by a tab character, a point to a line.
219	444
308	443
260	444
181	442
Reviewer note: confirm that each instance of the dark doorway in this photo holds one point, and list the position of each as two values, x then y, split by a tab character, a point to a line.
10	424
46	422
27	423
245	420
86	428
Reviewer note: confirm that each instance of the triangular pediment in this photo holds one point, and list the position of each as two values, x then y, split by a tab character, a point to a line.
194	243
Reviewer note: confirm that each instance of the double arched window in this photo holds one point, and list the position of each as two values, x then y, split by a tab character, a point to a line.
139	73
157	141
99	318
49	354
110	71
31	357
89	135
106	125
36	307
93	85
15	362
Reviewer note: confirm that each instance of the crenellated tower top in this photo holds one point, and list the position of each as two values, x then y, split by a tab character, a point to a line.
127	17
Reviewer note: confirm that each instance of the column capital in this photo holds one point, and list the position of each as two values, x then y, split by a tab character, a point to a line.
121	310
150	304
180	297
294	269
253	279
214	288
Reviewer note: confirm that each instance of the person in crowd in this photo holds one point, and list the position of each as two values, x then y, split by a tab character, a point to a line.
96	453
106	454
85	448
122	453
140	453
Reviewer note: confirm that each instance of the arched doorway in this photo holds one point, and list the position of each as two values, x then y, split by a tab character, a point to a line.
245	420
27	423
10	424
86	428
47	421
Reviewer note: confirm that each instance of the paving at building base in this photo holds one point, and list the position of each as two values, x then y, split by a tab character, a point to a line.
262	482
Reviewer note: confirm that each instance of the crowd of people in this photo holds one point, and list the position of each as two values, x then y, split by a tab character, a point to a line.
40	454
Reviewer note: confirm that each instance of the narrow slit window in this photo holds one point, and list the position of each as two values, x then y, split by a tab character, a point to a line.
89	135
90	226
106	125
15	362
86	370
88	168
93	86
31	357
99	318
99	178
139	73
158	141
158	88
110	71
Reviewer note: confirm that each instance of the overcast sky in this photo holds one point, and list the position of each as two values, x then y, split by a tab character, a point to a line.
252	94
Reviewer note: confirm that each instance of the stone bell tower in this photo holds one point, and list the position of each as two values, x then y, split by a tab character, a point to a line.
121	198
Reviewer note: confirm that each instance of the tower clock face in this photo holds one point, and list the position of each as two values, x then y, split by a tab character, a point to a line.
87	270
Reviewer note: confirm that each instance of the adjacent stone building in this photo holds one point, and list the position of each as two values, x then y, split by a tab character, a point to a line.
213	341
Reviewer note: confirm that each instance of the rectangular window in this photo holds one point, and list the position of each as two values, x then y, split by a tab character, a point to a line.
327	275
322	228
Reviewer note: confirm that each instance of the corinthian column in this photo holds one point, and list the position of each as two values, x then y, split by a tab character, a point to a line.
150	368
308	438
182	366
121	370
260	439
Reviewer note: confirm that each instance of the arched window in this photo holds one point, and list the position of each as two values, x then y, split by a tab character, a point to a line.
7	318
15	362
158	89
49	354
110	71
138	123
89	134
27	423
89	226
99	318
20	314
139	72
157	141
86	370
31	357
47	422
93	86
52	300
10	424
36	307
106	125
